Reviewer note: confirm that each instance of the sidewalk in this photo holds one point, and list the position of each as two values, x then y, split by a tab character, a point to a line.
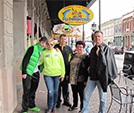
41	100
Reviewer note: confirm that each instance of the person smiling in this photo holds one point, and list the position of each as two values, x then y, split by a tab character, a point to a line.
31	75
103	71
64	86
78	74
54	72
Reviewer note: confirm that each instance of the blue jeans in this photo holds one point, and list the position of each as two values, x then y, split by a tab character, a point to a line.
91	85
52	84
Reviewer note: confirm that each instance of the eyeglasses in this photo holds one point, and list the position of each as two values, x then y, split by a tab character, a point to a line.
50	44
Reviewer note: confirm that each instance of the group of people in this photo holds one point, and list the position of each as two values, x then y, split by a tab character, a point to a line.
83	71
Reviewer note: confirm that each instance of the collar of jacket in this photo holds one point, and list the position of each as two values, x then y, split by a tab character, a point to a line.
102	45
61	45
38	44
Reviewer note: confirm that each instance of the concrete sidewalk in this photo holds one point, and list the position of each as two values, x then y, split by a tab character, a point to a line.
41	100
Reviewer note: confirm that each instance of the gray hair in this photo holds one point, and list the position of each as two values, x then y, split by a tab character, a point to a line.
98	31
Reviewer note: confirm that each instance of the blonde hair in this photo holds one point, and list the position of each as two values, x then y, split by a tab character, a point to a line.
51	40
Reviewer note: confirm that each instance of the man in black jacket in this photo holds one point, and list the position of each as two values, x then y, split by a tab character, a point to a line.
103	71
67	54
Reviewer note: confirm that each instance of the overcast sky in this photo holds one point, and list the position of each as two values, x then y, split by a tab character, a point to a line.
110	9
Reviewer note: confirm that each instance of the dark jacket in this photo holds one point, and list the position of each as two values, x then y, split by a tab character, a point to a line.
67	54
106	66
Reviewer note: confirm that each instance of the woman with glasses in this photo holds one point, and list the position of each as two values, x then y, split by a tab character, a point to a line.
54	72
78	74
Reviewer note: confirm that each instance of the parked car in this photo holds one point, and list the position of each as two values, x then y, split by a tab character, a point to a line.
118	49
129	61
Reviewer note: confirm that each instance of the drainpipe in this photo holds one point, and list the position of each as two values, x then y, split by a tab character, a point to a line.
99	14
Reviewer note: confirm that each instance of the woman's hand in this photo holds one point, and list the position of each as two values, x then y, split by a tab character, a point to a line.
24	76
61	79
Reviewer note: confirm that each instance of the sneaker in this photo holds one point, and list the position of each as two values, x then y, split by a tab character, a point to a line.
48	111
54	110
34	109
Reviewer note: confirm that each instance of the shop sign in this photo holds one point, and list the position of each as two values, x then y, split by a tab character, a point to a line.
75	15
57	35
67	29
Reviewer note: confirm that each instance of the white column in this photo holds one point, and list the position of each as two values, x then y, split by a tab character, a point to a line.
8	98
20	36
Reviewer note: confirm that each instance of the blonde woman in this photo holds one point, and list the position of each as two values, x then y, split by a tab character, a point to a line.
54	72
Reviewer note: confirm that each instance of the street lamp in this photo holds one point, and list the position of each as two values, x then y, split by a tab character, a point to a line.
93	29
93	26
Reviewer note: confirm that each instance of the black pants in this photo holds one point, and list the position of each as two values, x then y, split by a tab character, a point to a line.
30	85
64	86
79	88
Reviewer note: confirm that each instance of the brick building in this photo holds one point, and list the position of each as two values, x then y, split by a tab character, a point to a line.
128	29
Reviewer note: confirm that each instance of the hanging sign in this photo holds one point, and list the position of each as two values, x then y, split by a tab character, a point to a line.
67	29
75	15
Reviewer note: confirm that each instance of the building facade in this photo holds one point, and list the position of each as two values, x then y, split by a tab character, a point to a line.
118	32
127	29
13	43
108	31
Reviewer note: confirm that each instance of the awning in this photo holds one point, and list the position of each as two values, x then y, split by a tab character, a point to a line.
55	5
